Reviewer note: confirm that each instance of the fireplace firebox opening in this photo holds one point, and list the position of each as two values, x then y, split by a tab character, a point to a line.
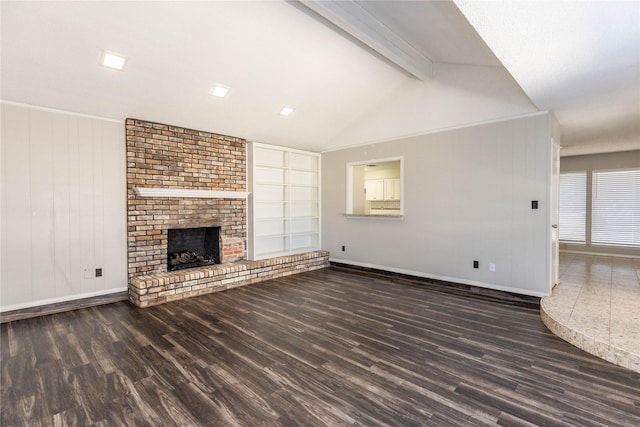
192	247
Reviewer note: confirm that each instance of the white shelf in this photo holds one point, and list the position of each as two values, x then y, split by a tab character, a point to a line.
271	236
302	249
272	184
303	170
273	218
272	167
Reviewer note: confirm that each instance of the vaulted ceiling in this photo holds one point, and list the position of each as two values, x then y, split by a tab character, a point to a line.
355	72
580	59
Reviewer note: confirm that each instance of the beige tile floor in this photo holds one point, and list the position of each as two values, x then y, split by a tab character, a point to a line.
596	307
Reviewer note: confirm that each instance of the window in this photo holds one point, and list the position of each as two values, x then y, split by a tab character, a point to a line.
374	188
573	207
616	207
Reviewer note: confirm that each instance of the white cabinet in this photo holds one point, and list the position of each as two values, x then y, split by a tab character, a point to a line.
374	189
392	189
284	204
382	189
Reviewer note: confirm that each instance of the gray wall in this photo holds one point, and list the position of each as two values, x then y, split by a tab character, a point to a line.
467	195
589	163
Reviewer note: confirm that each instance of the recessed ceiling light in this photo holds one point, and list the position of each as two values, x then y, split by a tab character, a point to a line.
113	60
219	91
286	111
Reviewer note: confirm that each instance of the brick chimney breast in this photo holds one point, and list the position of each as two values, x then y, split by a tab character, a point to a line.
164	156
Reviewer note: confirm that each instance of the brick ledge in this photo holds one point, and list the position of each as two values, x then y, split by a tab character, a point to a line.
159	288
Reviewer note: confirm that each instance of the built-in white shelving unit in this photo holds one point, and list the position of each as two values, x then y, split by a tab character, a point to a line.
284	201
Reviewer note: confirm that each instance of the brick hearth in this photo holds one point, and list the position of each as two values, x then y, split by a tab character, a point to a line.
154	289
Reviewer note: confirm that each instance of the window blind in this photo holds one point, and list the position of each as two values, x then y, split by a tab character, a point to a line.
616	207
573	207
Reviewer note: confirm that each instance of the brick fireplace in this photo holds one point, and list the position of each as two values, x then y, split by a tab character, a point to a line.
181	178
170	157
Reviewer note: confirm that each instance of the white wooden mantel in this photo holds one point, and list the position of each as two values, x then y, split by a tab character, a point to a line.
182	192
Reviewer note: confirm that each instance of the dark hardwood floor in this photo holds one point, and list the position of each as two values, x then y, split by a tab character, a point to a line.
328	347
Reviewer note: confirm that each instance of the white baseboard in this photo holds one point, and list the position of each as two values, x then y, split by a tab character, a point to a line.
37	303
438	277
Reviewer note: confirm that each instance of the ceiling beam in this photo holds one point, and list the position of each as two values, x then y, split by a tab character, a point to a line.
353	19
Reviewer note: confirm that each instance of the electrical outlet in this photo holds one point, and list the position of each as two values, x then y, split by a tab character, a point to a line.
492	267
88	273
476	264
98	272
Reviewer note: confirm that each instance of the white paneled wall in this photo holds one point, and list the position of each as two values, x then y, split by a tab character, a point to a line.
63	207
